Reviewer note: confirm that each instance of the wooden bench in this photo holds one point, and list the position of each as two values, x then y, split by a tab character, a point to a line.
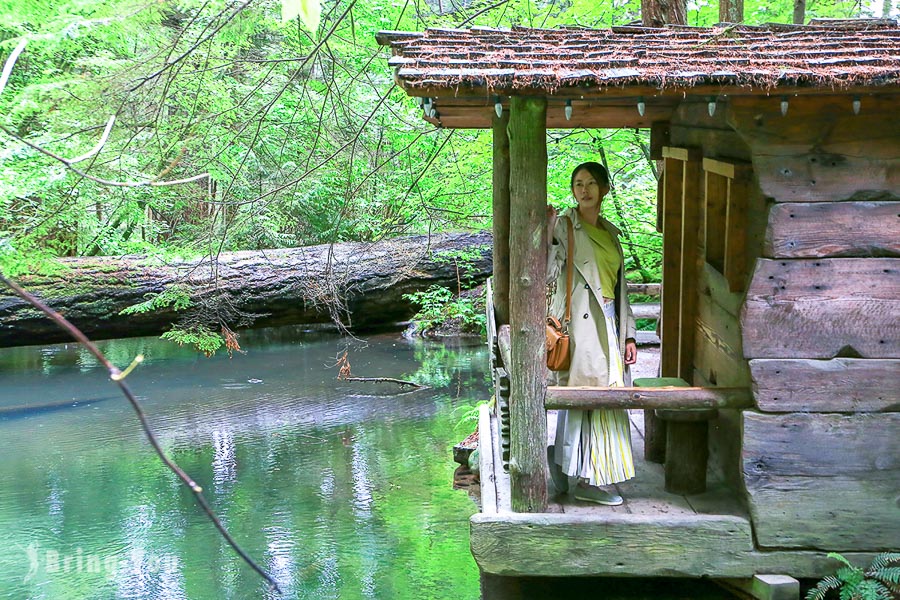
687	440
686	410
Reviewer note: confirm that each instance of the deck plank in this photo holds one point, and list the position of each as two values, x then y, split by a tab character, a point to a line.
654	533
611	544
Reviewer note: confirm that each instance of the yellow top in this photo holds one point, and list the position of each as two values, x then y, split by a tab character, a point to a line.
607	257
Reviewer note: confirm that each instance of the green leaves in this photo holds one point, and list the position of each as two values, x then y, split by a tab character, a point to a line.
440	309
177	296
309	11
878	582
200	337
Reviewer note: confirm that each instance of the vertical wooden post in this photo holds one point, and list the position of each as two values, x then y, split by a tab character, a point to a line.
501	218
735	268
690	268
671	288
654	427
528	305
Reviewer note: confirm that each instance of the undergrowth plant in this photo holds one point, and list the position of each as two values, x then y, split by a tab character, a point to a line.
177	296
880	581
468	413
438	307
200	337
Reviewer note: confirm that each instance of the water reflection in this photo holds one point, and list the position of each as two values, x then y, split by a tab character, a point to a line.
341	489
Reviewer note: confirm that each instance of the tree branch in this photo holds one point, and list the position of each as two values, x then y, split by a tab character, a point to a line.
10	61
126	184
119	378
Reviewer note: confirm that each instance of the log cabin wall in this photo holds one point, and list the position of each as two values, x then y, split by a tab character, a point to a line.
820	325
717	355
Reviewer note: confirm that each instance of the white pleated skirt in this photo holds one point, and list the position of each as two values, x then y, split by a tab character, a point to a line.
595	445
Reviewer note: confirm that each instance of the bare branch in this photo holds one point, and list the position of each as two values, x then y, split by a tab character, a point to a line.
125	184
96	149
171	63
482	11
119	378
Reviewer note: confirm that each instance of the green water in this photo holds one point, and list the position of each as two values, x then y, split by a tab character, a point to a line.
340	490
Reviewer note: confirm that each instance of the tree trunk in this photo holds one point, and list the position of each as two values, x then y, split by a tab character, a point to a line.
731	11
362	285
799	12
658	13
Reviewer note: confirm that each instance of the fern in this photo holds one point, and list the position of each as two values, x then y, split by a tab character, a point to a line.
890	575
830	582
202	338
470	412
176	296
884	559
871	590
880	581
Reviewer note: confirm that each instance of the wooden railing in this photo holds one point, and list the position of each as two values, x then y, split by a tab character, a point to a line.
588	398
672	398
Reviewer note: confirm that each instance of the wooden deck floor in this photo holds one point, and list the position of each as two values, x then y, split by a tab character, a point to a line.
654	533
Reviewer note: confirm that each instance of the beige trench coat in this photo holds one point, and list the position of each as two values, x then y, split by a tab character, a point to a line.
587	329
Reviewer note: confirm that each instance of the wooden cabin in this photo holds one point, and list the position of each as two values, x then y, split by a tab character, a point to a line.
779	207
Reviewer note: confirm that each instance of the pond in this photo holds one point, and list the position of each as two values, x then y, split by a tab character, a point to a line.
341	490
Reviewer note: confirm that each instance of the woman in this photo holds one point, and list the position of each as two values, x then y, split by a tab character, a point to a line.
592	445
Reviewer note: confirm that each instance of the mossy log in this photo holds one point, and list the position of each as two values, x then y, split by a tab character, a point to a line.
362	285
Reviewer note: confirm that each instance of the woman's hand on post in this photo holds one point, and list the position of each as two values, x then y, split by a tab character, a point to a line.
630	352
551	222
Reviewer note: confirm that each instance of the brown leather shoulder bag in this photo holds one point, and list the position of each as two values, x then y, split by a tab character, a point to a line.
558	353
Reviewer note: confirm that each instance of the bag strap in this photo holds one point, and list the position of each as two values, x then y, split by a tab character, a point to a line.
569	275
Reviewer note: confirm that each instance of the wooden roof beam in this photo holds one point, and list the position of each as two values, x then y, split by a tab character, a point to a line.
594	117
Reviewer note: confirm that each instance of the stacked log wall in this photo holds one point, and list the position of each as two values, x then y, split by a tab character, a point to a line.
718	357
820	325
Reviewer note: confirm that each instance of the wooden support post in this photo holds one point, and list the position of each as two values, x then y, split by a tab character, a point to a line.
687	449
671	288
672	192
501	218
716	206
690	268
654	437
527	306
736	231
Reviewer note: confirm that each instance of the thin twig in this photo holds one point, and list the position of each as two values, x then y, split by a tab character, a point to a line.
96	149
482	11
118	377
171	63
125	184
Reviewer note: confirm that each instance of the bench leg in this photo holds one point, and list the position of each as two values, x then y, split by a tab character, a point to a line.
654	437
687	453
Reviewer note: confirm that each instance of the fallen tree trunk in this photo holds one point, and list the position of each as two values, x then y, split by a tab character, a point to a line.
359	286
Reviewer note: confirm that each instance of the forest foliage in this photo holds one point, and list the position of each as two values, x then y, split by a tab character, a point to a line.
303	134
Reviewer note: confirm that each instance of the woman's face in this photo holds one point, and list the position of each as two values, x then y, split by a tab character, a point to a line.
588	191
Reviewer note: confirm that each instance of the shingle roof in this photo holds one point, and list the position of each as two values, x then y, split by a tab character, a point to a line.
830	54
